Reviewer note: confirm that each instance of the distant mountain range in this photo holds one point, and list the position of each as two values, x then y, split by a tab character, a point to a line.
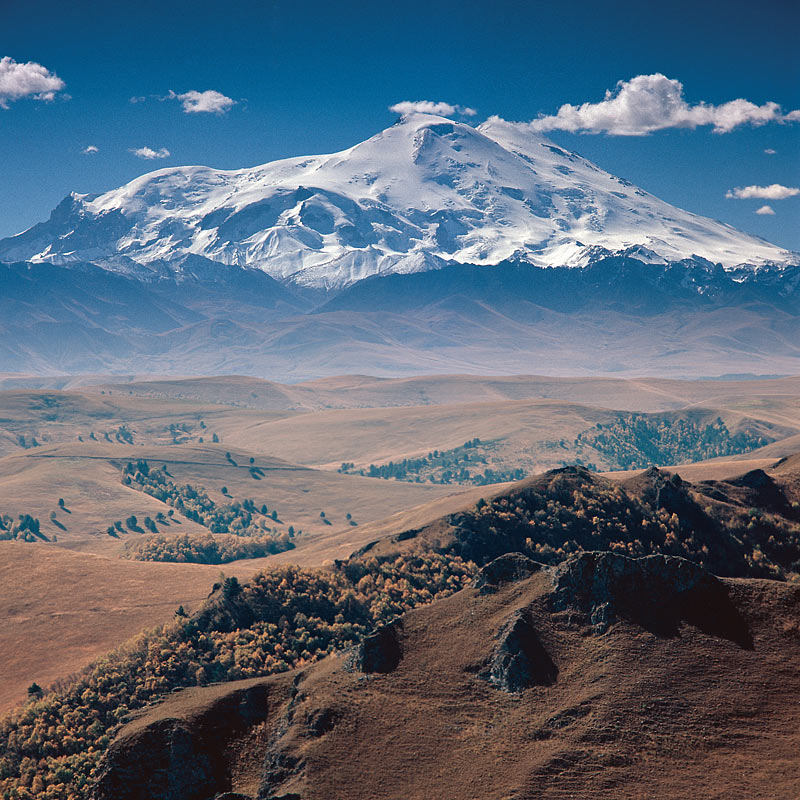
421	250
617	316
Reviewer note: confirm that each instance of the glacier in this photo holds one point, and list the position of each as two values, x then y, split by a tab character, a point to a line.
425	193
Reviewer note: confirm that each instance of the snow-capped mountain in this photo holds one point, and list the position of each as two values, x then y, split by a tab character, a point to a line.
425	192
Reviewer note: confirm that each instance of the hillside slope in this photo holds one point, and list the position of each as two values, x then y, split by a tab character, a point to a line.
606	676
289	617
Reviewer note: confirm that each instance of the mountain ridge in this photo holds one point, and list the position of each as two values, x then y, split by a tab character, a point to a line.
616	317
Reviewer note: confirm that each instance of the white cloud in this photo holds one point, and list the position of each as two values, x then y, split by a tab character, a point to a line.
769	151
89	149
773	192
26	80
766	210
650	103
208	102
138	99
792	116
148	152
430	107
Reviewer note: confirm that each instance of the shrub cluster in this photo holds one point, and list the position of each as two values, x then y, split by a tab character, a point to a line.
635	441
241	529
459	465
238	518
206	549
570	510
25	528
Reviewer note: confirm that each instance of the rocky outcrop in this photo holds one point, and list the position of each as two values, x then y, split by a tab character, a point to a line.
657	592
181	757
544	670
380	651
519	660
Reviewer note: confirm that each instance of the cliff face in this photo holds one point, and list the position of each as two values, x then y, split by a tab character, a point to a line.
188	749
604	676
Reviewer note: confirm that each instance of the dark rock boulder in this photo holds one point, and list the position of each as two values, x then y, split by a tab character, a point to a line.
380	651
519	660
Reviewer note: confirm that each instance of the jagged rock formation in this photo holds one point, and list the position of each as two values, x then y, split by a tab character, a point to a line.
657	592
187	756
519	660
380	651
504	569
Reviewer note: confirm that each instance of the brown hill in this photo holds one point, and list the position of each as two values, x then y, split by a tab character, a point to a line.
69	601
87	476
62	610
365	391
72	606
288	617
605	676
523	422
739	526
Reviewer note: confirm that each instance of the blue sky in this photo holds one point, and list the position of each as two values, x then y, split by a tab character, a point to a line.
310	77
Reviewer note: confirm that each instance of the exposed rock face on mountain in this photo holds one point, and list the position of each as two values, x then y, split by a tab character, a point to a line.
178	758
551	684
380	651
504	569
519	659
426	192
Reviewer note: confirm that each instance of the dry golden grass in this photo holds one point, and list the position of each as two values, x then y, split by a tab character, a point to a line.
88	477
61	609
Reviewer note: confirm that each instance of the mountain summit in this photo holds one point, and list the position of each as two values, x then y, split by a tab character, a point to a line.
423	193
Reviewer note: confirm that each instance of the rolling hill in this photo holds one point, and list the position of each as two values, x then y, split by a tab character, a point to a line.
298	436
562	630
538	699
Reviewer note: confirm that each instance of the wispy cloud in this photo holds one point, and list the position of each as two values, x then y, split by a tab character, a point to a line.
773	192
769	151
29	79
90	149
149	153
207	102
766	210
431	107
648	103
137	99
